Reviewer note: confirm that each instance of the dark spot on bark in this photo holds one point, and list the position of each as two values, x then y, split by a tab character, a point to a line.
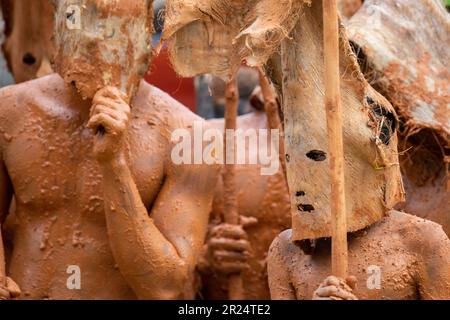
317	155
29	59
366	65
305	207
388	120
69	15
369	100
300	194
288	158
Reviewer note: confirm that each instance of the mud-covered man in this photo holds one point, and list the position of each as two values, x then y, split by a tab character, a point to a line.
86	153
391	254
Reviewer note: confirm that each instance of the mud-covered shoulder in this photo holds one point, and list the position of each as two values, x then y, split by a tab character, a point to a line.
167	116
281	261
12	102
15	98
9	96
284	248
418	234
19	100
162	109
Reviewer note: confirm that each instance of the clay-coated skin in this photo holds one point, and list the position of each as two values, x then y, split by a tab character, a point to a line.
412	254
113	205
263	203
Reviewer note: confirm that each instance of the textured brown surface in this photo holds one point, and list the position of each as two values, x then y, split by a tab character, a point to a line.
112	41
372	174
224	34
404	49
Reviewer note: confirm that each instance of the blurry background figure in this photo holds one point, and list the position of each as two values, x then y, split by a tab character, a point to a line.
262	202
28	45
204	94
211	93
162	74
5	76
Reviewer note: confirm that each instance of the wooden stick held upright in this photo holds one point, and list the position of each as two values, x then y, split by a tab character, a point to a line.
273	116
339	255
231	214
2	262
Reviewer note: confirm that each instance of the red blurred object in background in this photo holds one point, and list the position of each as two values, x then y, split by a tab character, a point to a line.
163	76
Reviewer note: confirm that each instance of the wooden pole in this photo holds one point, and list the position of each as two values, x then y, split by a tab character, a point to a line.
2	262
273	116
339	256
231	214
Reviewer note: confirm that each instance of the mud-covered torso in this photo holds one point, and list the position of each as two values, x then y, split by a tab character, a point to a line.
60	221
385	265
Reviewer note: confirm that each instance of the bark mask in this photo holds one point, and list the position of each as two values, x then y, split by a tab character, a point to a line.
103	43
373	182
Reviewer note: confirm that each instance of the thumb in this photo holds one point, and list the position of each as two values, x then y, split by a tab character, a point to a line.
351	282
13	288
248	222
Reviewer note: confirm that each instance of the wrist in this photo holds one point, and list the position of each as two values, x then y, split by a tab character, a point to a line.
115	163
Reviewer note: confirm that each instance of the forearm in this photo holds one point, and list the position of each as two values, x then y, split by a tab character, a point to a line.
5	201
434	281
2	260
279	279
149	262
280	288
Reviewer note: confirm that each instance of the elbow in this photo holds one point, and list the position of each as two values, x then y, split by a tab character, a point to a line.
173	283
178	281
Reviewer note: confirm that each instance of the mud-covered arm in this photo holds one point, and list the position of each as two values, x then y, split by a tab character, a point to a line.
156	252
279	280
434	271
6	193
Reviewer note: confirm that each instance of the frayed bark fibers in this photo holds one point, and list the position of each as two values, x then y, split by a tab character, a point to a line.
215	36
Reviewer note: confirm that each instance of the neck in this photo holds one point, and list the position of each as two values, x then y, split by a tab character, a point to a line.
77	103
